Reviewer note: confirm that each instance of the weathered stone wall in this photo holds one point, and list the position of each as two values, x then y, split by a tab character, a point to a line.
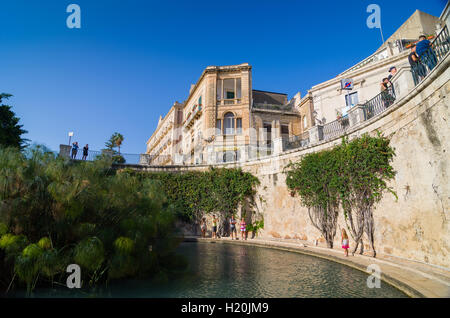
416	226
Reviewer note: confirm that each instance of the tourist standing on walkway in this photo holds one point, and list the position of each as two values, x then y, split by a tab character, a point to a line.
344	241
85	152
243	229
74	149
233	227
203	227
214	227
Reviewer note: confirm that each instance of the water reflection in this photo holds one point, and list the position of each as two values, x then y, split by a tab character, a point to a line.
225	270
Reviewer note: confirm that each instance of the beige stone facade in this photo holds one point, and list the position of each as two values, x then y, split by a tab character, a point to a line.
165	141
224	119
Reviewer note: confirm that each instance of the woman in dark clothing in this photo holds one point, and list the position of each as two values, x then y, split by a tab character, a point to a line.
417	68
387	91
85	151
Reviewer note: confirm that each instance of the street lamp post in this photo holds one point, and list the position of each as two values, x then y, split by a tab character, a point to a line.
70	136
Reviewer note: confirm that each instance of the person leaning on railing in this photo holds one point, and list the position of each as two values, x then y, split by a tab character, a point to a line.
386	90
425	52
417	68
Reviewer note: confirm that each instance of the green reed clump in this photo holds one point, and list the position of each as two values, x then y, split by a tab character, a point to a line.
54	212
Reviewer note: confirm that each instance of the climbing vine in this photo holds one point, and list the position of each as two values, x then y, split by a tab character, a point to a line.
194	194
351	177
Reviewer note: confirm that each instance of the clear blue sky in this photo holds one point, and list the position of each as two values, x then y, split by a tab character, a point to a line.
132	59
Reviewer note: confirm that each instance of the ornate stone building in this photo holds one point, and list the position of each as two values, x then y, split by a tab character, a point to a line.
224	119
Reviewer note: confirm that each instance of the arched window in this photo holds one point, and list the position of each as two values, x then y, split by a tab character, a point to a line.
228	122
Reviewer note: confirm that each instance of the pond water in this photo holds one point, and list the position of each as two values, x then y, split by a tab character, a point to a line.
228	270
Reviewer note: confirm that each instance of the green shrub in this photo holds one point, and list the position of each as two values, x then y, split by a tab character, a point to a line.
90	254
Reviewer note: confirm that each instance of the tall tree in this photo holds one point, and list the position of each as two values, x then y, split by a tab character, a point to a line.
118	139
114	141
10	130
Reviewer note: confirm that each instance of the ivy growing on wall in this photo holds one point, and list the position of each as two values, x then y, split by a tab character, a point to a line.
195	193
351	177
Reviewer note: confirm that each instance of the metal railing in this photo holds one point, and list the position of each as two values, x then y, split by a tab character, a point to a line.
288	107
432	56
335	128
91	155
116	157
379	103
296	141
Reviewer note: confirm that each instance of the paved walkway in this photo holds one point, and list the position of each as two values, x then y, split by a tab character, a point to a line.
413	278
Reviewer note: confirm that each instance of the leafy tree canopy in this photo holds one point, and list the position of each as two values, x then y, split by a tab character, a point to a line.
10	130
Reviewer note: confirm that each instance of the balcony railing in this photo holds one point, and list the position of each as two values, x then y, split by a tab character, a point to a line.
432	56
336	127
287	108
230	101
379	103
192	115
297	141
118	158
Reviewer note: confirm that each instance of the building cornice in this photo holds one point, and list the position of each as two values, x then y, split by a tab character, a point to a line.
163	121
360	71
215	70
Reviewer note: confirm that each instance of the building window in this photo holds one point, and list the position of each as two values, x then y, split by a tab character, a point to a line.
230	95
351	99
228	121
284	129
200	100
218	126
229	89
305	122
238	125
267	128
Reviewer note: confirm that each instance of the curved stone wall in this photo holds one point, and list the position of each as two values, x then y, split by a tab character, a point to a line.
416	226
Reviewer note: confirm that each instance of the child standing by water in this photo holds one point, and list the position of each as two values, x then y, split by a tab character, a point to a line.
344	240
203	227
233	227
243	229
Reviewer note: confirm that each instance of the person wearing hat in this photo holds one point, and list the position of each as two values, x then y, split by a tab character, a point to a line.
392	72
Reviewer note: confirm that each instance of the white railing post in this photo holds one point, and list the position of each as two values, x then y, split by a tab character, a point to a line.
315	134
403	81
356	115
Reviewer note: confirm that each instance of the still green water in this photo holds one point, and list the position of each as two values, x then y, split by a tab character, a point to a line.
226	270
